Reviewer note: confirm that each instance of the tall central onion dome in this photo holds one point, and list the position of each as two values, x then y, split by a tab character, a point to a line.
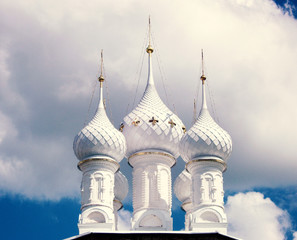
205	139
151	126
99	138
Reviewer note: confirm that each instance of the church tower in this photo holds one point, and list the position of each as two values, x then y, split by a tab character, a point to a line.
99	147
205	148
152	133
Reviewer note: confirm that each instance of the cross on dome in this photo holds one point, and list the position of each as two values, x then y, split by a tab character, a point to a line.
184	129
149	48
135	122
121	127
172	124
203	79
153	121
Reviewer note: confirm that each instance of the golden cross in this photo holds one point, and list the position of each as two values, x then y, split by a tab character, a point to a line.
135	122
153	121
184	129
121	127
172	124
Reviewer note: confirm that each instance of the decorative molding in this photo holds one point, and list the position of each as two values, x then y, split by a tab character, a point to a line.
150	153
99	160
171	161
214	160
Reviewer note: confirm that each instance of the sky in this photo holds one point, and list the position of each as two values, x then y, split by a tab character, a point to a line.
49	64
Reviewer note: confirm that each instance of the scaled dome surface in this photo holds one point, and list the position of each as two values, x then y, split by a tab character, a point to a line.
205	139
121	186
151	126
183	186
99	138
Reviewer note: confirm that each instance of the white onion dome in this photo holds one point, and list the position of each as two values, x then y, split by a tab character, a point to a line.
99	138
205	139
121	186
151	126
183	186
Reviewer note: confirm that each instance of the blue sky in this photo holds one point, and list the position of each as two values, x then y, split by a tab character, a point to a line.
49	62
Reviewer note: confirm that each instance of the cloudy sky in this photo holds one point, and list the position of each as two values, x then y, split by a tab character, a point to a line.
49	62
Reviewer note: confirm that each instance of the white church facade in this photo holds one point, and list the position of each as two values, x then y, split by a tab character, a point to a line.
152	137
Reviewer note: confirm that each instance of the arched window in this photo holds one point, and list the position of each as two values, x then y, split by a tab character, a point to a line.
95	217
209	216
150	221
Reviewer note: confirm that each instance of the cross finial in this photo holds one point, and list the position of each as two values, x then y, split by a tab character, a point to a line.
184	129
121	127
149	48
153	121
172	124
135	122
149	29
101	78
203	78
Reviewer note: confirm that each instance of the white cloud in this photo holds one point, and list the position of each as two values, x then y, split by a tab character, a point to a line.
251	216
37	175
124	220
7	129
295	236
10	169
9	96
